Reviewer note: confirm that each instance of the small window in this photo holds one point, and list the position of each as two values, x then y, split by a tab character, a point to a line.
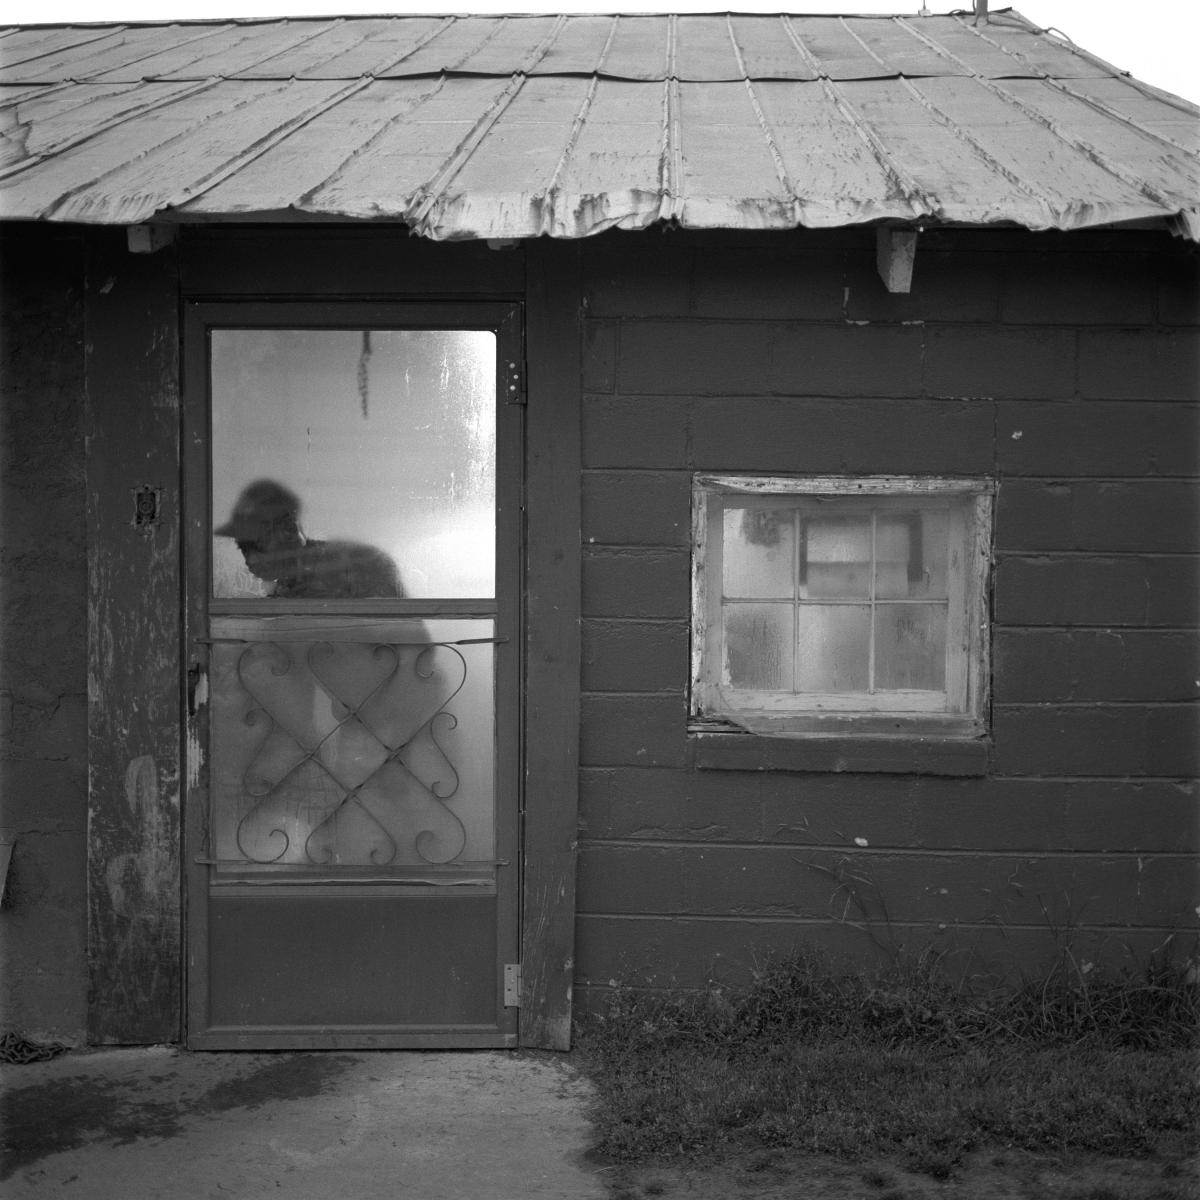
840	606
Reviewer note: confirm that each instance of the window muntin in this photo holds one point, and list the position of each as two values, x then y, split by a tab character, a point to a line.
840	604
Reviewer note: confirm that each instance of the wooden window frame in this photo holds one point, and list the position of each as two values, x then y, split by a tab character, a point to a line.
850	731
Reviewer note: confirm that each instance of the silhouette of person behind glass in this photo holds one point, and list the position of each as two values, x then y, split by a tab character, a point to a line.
265	524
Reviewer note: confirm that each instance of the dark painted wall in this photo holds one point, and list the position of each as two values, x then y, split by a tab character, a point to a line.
774	353
1064	366
43	623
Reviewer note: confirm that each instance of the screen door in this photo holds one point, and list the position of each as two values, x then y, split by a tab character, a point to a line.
353	480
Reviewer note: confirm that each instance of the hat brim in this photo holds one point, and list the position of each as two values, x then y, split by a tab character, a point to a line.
226	530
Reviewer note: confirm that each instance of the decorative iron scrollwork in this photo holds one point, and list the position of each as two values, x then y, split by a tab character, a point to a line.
344	762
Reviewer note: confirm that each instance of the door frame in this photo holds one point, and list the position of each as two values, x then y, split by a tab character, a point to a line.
200	318
136	736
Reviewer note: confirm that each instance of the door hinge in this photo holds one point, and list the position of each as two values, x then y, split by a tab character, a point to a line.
514	376
512	985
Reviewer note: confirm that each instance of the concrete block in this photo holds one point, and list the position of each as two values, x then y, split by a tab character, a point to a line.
1139	364
635	656
636	431
599	356
635	731
637	508
1132	516
1111	438
846	360
729	358
1079	289
999	362
636	583
1132	590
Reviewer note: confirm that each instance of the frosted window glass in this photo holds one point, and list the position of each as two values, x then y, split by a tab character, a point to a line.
911	555
758	646
344	745
838	559
833	648
910	646
353	463
759	552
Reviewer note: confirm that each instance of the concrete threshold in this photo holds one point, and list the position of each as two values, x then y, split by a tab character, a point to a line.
148	1122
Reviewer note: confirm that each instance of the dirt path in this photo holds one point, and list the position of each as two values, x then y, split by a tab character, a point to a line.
990	1175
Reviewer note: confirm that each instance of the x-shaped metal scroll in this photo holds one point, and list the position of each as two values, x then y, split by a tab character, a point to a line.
349	750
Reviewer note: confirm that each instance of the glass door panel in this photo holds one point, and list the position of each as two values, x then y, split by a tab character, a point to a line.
353	463
360	747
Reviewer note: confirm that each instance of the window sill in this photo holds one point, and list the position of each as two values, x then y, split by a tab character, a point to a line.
912	755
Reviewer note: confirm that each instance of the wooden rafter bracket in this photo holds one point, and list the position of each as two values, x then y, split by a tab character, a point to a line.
146	239
895	253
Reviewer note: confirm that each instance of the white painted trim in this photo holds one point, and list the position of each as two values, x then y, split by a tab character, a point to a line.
962	708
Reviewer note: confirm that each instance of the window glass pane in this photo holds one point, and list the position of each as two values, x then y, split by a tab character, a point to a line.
910	553
833	652
837	558
353	463
758	646
759	552
910	646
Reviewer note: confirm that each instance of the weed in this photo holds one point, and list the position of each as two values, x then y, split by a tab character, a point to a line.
899	1063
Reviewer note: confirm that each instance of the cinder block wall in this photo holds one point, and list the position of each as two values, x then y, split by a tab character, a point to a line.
1064	366
43	627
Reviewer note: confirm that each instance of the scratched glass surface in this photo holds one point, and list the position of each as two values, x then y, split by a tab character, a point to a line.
758	646
833	648
759	552
910	555
910	646
338	744
837	558
353	463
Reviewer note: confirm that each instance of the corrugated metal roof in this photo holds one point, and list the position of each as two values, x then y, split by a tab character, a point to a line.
505	127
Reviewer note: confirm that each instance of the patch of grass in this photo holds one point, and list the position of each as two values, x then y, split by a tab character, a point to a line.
902	1063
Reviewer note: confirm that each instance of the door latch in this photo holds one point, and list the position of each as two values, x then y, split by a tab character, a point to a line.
197	688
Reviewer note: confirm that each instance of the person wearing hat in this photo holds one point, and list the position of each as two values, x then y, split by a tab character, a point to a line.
265	524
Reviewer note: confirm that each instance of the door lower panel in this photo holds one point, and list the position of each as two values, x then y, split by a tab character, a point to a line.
426	961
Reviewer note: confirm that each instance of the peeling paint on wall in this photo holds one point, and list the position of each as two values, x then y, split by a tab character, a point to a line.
139	881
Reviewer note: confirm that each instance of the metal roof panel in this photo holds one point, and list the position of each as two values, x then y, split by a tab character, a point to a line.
451	46
580	47
1034	52
957	42
387	44
518	45
1112	146
704	51
316	156
22	47
767	51
899	53
834	49
835	174
516	126
313	55
1067	184
212	52
639	49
